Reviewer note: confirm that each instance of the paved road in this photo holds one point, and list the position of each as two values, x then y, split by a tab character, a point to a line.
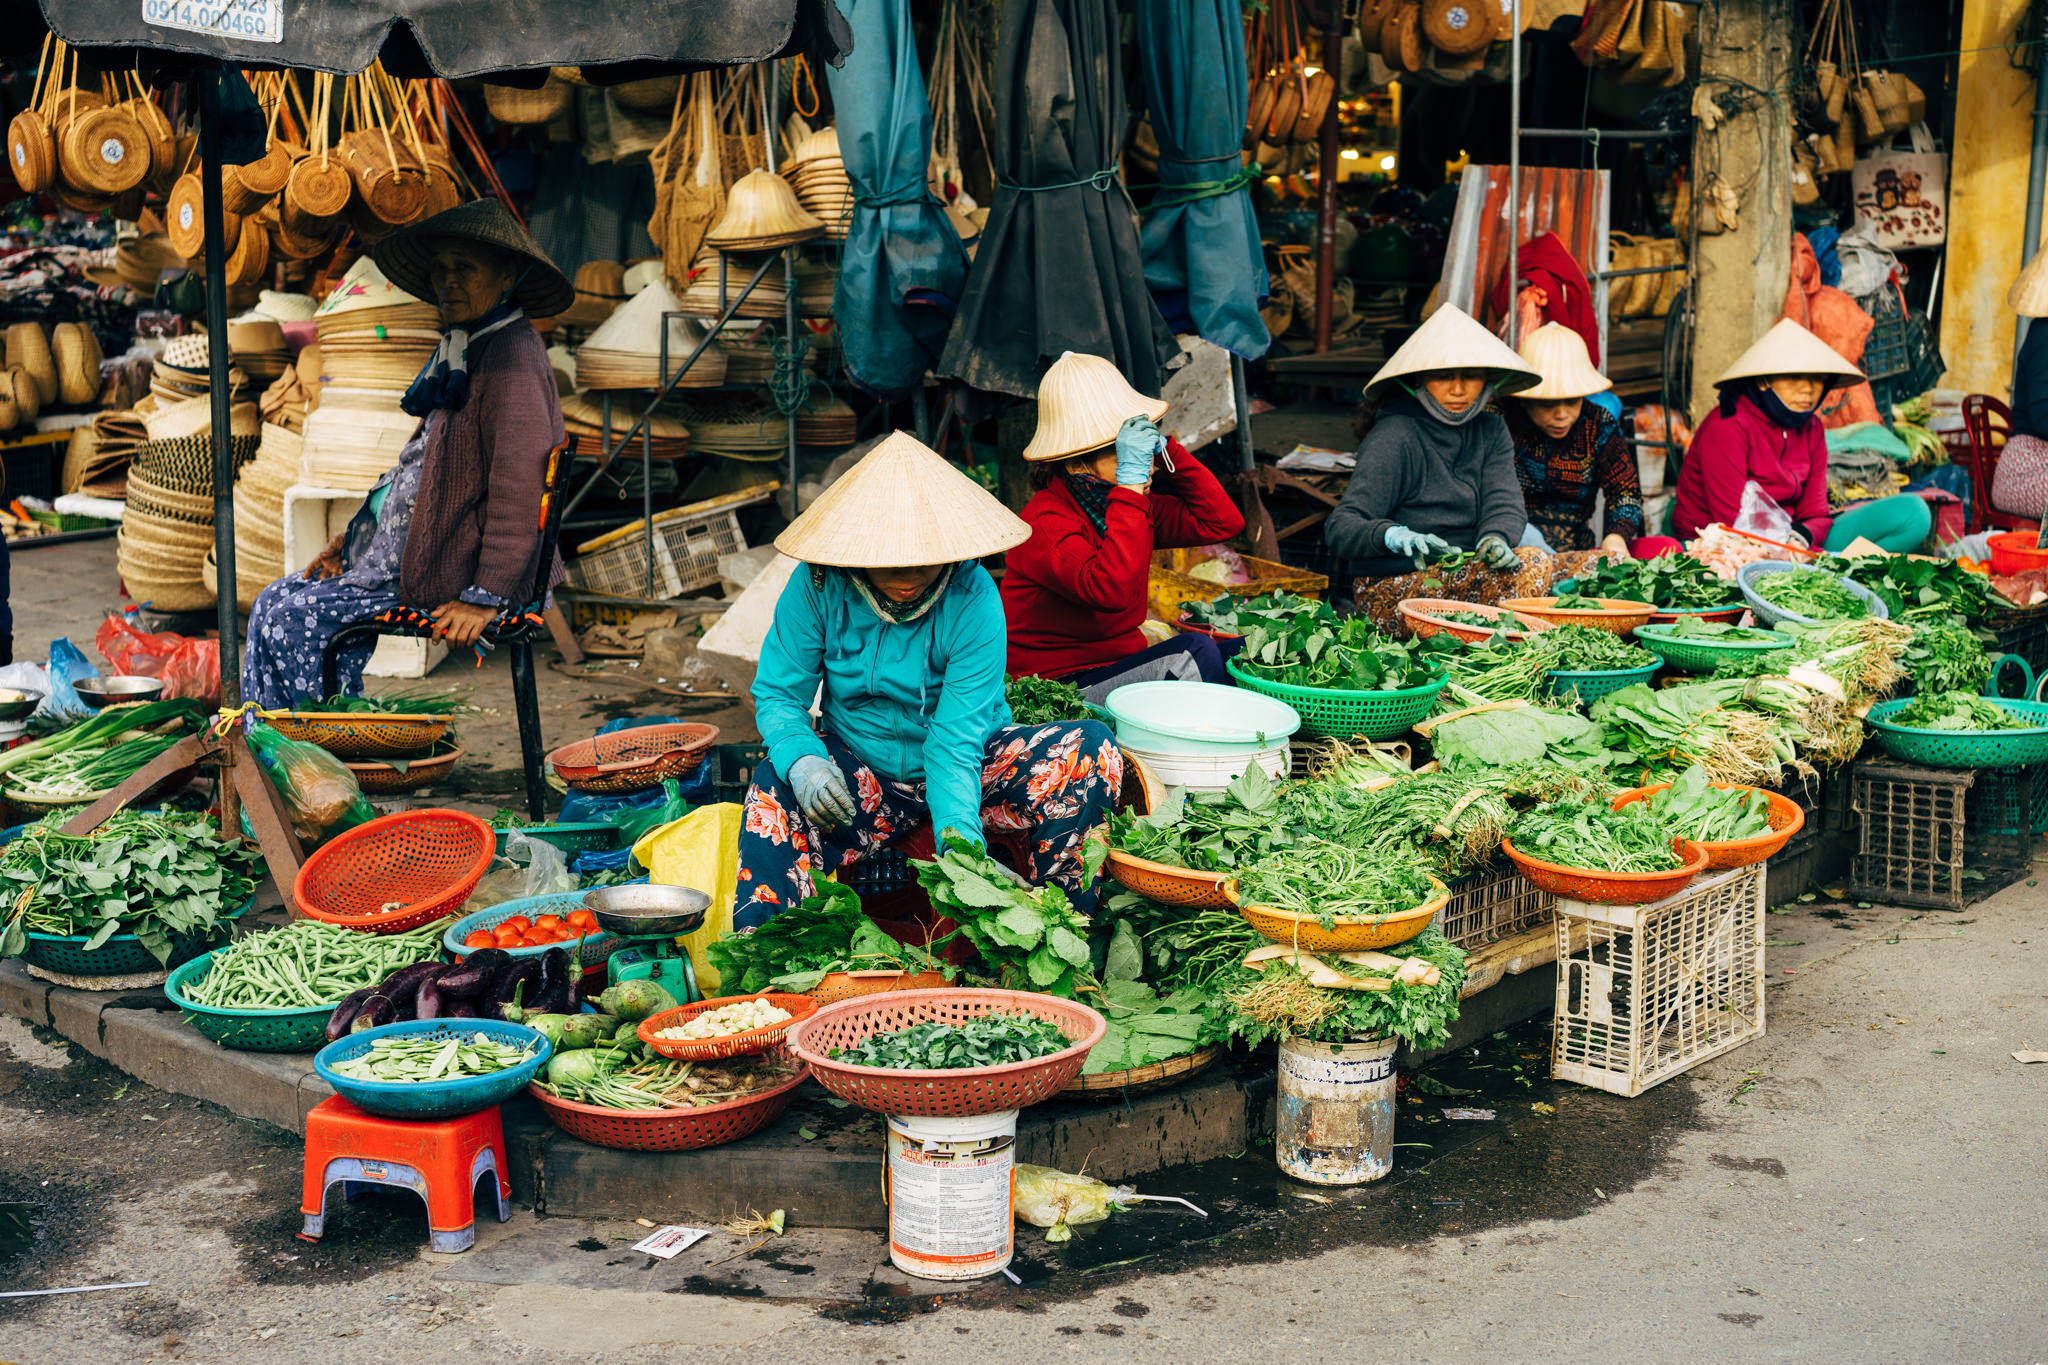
1864	1184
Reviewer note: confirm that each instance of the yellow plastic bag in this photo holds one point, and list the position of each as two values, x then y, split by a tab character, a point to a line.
1046	1198
701	850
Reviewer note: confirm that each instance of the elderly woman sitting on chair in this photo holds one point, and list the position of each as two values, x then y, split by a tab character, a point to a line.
452	530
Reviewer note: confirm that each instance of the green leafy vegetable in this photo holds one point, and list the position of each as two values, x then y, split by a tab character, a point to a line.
1671	580
1521	734
1314	648
1812	593
1959	711
1326	881
1028	938
1700	811
1042	701
1918	589
989	1040
1635	838
798	948
1693	628
1235	615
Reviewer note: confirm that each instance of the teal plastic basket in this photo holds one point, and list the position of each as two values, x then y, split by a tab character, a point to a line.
1690	654
432	1099
1964	748
1328	713
588	953
121	955
296	1030
588	836
1593	684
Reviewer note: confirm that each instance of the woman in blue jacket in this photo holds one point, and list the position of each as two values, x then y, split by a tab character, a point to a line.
897	633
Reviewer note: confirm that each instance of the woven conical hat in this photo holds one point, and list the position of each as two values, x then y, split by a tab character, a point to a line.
1451	340
2029	293
1559	355
634	328
761	209
903	504
1082	401
364	286
1789	348
824	142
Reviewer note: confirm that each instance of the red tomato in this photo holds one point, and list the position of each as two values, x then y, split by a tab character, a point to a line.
480	938
548	922
505	936
584	920
519	922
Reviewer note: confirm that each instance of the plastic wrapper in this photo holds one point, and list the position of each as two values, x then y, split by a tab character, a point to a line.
1056	1201
189	667
61	702
318	789
1760	515
528	867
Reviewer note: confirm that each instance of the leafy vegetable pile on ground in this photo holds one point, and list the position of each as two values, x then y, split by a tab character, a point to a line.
1326	881
1696	810
1671	580
1812	593
423	1060
307	964
990	1040
1042	701
798	948
1635	838
1959	711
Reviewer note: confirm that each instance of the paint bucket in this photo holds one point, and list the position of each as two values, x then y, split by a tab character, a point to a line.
1334	1124
948	1185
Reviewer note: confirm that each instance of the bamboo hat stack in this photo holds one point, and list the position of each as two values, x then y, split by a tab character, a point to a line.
669	438
139	265
902	504
736	426
825	419
769	299
600	289
96	464
167	530
762	214
259	512
184	372
818	176
1082	402
753	362
258	346
625	353
373	339
817	283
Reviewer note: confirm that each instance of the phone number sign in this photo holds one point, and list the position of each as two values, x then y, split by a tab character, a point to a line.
252	21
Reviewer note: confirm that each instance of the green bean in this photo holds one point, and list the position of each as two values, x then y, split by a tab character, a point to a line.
307	965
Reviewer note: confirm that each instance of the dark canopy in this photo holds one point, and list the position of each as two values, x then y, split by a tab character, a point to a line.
503	39
1058	267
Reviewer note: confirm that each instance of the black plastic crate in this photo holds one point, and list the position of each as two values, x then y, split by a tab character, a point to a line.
732	769
2023	632
1939	838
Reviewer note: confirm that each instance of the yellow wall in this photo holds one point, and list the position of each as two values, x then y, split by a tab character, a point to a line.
1987	201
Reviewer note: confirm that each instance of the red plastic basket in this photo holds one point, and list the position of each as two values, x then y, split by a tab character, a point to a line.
1609	888
2014	552
396	872
1785	816
627	761
731	1044
943	1094
671	1130
1617	614
1219	636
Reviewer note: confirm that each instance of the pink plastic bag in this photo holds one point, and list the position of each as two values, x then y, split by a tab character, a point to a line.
189	668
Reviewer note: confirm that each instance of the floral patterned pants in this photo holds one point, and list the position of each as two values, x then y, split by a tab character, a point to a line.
1058	781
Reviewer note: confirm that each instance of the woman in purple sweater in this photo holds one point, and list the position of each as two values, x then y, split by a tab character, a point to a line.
453	528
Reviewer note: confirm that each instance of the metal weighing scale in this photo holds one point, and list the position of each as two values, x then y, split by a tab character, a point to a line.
651	917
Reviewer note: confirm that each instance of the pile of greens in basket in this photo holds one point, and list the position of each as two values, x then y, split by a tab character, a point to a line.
1865	658
406	701
1692	628
1918	589
1740	730
1673	581
1043	701
1506	736
1480	618
159	875
1959	711
1229	615
1209	831
1598	838
1326	881
989	1040
798	948
1519	670
1316	649
1696	810
1812	593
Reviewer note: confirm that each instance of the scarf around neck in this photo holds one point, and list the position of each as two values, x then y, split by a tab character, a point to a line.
1768	403
888	608
1443	414
443	382
1093	495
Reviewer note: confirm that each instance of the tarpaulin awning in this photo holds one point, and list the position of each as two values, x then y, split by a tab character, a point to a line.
457	37
1058	267
1201	240
903	268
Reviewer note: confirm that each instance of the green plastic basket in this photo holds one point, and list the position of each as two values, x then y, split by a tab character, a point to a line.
1702	655
1964	748
121	955
1593	684
1328	713
590	835
300	1030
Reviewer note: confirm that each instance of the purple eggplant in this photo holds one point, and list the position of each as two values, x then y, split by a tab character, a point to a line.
553	995
461	1009
376	1012
394	997
518	985
469	977
428	1001
345	1013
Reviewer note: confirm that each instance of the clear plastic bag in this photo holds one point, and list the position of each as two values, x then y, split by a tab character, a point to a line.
1760	515
318	789
528	867
1056	1201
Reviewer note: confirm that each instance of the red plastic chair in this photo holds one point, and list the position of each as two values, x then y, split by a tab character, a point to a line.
1989	423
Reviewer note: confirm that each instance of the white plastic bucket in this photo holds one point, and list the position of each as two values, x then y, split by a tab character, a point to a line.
950	1193
1212	772
1199	718
1334	1123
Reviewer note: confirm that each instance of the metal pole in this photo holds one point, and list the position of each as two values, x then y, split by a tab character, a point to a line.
1241	396
212	212
2037	175
1514	161
1326	187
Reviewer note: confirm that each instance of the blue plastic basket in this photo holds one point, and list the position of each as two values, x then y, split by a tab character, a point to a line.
1773	615
1964	748
588	953
1593	684
436	1099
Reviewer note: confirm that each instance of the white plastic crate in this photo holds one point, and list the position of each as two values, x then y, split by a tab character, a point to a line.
688	543
314	516
1645	992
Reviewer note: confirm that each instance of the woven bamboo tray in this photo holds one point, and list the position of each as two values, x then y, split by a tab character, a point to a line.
1141	1080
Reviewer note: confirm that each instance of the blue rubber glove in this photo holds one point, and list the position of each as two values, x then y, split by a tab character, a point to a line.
1419	546
1495	553
821	790
1138	443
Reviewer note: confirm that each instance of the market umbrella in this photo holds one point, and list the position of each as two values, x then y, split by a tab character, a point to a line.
902	269
1201	241
1058	267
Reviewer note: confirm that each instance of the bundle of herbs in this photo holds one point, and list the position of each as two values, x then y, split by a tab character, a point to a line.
1959	711
1945	655
1674	581
1044	701
99	752
1326	881
162	876
821	934
1519	670
1918	589
1029	938
1229	615
1814	594
1865	659
1746	731
1698	810
1598	838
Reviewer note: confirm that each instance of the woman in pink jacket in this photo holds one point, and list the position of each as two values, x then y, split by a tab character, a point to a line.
1766	432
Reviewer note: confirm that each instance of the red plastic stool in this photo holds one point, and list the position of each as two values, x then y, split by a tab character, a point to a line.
439	1159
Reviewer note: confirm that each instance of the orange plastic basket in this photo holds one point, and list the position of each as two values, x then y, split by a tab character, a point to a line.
671	1130
1617	614
397	872
1785	816
726	1045
943	1094
634	760
838	986
1168	885
1609	888
1349	933
1424	616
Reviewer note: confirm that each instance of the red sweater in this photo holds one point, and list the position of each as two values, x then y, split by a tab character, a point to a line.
1727	452
1074	597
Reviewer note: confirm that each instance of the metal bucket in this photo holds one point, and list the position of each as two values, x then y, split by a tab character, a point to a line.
948	1182
1334	1123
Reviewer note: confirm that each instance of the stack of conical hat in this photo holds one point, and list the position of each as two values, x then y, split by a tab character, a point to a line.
738	426
702	298
825	419
753	362
257	344
167	527
600	289
1559	354
259	512
349	447
902	504
666	435
818	176
817	282
625	352
761	214
96	463
374	337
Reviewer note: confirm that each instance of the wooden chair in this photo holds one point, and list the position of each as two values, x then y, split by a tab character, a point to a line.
1989	423
517	631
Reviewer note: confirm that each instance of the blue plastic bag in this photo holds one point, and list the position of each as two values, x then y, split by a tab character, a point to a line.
67	666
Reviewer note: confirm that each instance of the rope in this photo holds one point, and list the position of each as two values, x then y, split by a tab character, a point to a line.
912	191
790	386
1197	190
1100	181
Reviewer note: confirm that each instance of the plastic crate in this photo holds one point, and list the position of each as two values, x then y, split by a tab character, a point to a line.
1645	992
1488	906
878	873
1920	845
1884	353
732	769
687	547
2023	631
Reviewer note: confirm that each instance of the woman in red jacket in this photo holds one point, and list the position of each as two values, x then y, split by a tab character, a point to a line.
1111	491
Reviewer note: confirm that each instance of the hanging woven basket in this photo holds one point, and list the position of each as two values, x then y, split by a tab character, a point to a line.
389	182
105	151
518	108
267	175
31	151
317	191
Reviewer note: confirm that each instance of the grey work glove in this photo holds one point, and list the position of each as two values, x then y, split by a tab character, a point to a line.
1495	552
1419	546
821	790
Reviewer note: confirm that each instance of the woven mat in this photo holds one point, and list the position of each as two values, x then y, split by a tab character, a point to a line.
132	981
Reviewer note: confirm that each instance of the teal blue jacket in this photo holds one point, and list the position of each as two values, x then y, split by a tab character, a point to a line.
917	701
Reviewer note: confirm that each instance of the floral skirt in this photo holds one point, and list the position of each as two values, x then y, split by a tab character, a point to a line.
289	627
1380	598
1056	781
